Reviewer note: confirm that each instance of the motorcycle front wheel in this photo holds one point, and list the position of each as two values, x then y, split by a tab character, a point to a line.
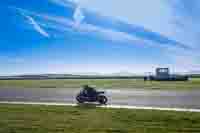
102	99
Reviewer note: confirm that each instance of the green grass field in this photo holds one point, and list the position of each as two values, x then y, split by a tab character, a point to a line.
100	83
60	119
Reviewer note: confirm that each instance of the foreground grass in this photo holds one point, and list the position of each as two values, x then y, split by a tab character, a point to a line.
52	119
100	83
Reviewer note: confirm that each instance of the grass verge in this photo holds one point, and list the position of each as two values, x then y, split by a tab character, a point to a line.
100	83
88	119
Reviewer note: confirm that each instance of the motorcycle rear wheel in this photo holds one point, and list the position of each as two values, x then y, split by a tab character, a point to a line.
79	99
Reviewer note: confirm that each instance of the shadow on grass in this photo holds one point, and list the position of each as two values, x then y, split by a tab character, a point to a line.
88	105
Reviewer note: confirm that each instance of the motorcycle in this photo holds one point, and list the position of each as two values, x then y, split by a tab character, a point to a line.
98	97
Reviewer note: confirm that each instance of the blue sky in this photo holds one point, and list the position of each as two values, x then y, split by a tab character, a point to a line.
82	36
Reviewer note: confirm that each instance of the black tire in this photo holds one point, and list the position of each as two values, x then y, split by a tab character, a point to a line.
102	99
79	99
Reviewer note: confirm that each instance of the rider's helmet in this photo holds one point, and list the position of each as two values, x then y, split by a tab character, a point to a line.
89	88
85	86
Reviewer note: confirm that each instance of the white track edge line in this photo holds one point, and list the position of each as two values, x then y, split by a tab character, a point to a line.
104	106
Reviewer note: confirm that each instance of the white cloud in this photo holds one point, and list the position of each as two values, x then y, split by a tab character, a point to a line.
65	3
160	16
154	15
79	25
75	1
78	16
64	24
176	19
181	59
187	19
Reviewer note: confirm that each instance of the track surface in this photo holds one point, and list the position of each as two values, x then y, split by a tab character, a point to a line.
124	97
130	97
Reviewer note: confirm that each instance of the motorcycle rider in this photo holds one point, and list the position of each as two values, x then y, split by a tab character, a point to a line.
89	91
89	94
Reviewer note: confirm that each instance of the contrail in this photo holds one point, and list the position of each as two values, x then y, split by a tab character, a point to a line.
32	21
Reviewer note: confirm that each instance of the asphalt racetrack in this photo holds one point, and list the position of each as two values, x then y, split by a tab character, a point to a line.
128	97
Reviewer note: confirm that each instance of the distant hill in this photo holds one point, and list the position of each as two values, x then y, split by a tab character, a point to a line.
123	73
69	76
